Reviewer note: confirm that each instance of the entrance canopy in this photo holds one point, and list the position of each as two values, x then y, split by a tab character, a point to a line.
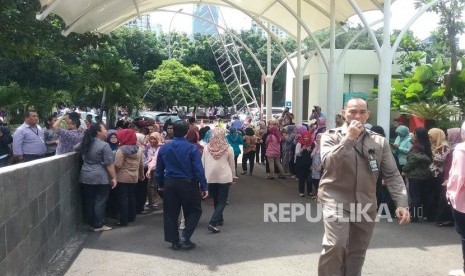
104	16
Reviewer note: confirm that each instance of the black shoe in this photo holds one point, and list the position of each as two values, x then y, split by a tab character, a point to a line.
213	229
446	223
220	223
175	246
187	245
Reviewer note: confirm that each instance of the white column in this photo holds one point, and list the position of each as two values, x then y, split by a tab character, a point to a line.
269	83
297	102
384	82
332	72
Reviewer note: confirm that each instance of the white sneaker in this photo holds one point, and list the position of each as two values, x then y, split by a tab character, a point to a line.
456	272
103	228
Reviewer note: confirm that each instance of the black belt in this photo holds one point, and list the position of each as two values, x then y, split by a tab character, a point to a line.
34	155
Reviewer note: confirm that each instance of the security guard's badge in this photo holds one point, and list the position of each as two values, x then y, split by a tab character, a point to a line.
372	165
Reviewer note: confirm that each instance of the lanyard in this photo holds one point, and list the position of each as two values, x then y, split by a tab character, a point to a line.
36	132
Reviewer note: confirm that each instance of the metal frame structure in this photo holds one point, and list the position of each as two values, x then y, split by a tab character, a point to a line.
303	18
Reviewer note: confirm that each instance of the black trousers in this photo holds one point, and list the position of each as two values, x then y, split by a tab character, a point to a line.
127	202
416	192
257	153
248	156
444	212
141	194
95	200
220	197
180	193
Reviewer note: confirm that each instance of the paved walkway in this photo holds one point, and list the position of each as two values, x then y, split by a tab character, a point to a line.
249	246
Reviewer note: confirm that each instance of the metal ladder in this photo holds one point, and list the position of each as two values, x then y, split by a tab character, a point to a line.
229	62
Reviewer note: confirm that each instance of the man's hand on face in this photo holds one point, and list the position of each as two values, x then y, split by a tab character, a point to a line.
354	129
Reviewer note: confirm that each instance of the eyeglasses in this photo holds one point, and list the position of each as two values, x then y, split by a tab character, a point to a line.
169	128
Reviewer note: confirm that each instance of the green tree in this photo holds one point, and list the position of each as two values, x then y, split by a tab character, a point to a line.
141	47
173	83
106	76
450	26
424	84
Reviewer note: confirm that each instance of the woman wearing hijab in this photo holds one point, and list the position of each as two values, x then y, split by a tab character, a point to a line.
218	162
439	148
444	215
112	140
288	151
316	167
260	148
273	150
303	162
112	205
456	194
401	146
235	139
417	171
129	169
151	152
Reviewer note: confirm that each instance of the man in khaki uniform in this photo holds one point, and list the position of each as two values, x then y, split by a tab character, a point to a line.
352	158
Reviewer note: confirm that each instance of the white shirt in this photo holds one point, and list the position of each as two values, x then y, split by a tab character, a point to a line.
219	171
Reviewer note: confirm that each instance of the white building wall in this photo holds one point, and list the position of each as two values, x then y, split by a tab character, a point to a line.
356	73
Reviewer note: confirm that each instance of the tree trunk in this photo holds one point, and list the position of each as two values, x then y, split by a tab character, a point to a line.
102	104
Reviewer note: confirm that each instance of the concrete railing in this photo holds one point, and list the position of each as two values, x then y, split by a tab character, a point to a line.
40	207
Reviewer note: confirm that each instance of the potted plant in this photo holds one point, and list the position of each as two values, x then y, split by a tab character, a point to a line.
430	112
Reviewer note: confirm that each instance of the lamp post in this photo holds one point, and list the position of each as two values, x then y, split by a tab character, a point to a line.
169	33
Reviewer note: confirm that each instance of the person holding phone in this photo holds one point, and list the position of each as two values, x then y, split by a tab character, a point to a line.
352	158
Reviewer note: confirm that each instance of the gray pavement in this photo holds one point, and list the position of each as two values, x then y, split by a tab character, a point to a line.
247	245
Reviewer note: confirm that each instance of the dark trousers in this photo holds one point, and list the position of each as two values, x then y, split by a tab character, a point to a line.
95	200
305	180
263	153
315	184
179	193
433	192
444	213
220	194
30	157
416	194
127	202
4	162
460	227
141	194
257	152
235	162
248	156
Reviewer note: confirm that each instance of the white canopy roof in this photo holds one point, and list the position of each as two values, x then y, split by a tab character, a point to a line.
103	16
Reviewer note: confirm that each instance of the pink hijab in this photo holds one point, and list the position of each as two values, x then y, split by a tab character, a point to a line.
218	145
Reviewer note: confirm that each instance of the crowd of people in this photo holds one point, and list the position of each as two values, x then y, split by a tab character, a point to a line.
136	167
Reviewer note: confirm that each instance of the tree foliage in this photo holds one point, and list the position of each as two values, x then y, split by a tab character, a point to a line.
175	84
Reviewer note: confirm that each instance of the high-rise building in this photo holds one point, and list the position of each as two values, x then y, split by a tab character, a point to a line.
277	31
202	26
141	23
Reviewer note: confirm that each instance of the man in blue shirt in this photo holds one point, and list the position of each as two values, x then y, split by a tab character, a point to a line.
28	139
179	171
